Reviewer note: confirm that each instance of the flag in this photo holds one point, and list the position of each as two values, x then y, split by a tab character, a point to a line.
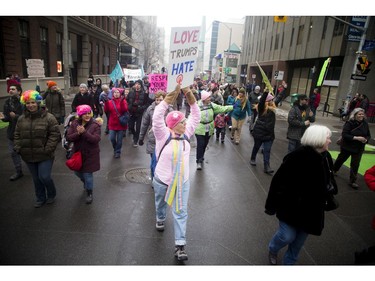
116	73
265	79
323	72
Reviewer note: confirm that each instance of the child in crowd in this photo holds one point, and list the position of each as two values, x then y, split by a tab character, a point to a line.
220	124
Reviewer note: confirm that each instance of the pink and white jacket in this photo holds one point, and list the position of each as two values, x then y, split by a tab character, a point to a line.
164	168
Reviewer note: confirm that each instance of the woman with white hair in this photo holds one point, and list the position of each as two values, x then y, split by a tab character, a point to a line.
299	203
83	97
355	134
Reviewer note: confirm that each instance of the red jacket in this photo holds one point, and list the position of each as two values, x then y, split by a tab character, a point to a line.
370	178
113	121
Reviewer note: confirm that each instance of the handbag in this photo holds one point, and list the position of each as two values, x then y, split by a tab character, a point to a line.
331	202
74	163
122	118
339	140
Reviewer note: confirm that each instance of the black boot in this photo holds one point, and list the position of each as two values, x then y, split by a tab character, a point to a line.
89	197
16	176
267	169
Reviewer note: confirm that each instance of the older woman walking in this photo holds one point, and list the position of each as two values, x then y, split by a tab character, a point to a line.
355	135
299	204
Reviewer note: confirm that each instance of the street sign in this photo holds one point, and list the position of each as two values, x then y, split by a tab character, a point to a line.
358	77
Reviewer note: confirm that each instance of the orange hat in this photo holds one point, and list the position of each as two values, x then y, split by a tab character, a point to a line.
51	84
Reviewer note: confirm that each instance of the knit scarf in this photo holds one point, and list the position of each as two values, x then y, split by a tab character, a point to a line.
175	188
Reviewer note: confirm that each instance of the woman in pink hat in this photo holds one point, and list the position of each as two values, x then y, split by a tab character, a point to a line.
85	133
171	181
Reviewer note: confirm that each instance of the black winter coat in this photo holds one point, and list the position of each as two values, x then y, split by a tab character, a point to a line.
351	129
87	143
298	190
12	104
264	128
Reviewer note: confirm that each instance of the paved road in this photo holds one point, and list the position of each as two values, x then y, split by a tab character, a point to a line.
227	224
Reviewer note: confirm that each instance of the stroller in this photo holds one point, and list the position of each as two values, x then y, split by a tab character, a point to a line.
67	145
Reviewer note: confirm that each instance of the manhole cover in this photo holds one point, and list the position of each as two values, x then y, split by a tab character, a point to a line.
139	175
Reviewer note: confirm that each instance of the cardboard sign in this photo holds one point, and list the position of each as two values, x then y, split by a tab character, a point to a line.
158	82
132	74
35	68
183	56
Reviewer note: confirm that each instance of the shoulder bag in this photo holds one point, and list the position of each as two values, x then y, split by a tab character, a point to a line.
123	118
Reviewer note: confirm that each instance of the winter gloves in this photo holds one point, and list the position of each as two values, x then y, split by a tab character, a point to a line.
171	97
189	95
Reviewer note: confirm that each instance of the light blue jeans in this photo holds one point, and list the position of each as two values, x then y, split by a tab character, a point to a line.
87	179
179	219
291	236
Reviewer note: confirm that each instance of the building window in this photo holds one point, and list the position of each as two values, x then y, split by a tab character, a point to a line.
338	30
2	63
271	43
277	41
97	59
59	50
282	40
300	34
310	30
325	27
291	37
23	27
90	57
44	49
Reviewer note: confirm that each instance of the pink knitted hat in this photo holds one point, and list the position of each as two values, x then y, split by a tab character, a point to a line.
205	95
83	109
173	118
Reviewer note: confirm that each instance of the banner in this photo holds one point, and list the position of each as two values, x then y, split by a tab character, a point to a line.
183	56
116	73
265	79
158	82
323	72
132	74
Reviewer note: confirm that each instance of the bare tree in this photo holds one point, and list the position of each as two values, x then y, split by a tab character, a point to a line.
146	35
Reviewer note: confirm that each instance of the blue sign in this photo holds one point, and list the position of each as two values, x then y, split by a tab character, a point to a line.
354	35
369	45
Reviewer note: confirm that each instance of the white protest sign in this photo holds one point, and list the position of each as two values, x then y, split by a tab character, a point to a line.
132	74
183	56
35	68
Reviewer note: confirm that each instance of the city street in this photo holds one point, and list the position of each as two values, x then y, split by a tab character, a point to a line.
226	226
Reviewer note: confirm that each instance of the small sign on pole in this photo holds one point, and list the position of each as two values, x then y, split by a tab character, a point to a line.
35	68
279	75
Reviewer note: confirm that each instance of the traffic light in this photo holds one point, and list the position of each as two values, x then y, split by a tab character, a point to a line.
280	18
363	65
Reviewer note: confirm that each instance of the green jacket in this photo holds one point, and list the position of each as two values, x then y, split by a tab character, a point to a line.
36	136
208	115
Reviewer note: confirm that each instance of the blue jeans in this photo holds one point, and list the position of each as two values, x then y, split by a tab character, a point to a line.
153	165
116	139
179	219
41	173
87	179
16	158
267	145
291	236
293	145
